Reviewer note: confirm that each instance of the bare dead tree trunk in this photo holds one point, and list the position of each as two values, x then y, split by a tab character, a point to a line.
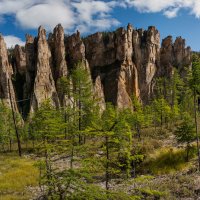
72	155
65	116
14	121
107	164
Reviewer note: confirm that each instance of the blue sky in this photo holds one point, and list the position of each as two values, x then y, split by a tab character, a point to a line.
171	17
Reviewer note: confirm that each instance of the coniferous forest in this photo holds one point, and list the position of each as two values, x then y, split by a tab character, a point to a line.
81	152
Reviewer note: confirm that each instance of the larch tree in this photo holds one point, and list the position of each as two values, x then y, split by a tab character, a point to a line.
195	87
185	133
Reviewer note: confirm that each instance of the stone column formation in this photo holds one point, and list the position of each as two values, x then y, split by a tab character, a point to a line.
44	84
7	93
122	63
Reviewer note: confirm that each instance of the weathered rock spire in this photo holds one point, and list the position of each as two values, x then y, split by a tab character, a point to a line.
7	93
44	85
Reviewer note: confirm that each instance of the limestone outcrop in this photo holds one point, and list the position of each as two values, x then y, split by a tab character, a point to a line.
7	93
146	56
122	64
75	51
57	45
58	60
44	84
174	54
131	56
182	54
99	94
20	57
30	49
106	53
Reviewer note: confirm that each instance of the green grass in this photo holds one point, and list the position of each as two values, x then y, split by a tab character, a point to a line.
155	194
168	160
143	178
16	174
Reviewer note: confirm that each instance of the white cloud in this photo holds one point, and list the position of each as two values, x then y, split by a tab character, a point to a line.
11	41
94	15
170	8
150	5
47	15
12	6
72	14
171	13
196	9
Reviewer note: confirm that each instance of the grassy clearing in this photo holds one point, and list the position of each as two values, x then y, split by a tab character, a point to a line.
16	174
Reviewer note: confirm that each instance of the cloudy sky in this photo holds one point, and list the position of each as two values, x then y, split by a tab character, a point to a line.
171	17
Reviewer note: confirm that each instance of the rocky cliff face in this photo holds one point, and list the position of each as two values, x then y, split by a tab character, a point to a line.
7	94
122	63
75	51
20	56
174	55
99	93
146	45
110	58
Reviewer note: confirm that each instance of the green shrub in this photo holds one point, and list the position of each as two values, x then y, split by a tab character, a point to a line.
148	193
167	161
